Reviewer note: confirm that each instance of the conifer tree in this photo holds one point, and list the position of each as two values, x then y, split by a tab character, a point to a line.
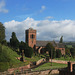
61	39
14	41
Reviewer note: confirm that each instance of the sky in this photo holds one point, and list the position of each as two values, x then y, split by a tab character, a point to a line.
51	18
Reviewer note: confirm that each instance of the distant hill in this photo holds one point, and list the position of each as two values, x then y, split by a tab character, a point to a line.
70	43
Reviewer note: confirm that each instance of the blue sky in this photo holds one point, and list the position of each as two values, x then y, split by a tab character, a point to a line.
21	9
37	12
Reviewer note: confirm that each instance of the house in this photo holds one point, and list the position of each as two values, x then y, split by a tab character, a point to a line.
39	45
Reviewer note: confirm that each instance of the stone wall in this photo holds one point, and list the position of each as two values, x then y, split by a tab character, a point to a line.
44	72
19	69
58	61
40	61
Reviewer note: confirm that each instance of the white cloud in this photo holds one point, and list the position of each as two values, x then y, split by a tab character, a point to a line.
46	29
2	7
42	8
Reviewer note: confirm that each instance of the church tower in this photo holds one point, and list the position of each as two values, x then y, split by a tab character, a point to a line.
31	37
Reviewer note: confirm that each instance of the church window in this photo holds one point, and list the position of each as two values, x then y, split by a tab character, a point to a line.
32	36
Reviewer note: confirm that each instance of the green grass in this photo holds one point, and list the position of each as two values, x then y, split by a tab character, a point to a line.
33	59
66	59
48	66
12	55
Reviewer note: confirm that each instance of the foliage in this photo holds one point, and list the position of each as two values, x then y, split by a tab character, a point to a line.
4	42
67	51
28	51
72	50
61	39
2	32
14	41
58	53
49	47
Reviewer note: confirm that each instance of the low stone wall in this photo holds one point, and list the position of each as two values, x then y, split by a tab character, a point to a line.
58	61
44	72
19	69
40	61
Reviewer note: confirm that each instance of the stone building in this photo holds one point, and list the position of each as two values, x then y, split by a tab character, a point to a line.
39	45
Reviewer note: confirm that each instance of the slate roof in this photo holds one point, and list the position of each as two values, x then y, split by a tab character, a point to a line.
60	45
44	43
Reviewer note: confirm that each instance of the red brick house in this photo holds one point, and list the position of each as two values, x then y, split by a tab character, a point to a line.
39	45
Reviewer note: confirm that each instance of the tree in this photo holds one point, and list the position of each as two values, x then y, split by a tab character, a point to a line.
50	48
2	32
72	50
61	39
14	41
28	51
58	53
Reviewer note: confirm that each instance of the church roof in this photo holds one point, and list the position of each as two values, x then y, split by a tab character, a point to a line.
60	45
44	43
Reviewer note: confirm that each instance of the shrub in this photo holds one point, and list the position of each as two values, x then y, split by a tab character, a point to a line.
29	52
72	50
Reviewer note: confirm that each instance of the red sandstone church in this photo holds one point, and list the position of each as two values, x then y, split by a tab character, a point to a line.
39	45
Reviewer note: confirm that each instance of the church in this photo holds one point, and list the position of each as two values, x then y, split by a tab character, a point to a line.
39	45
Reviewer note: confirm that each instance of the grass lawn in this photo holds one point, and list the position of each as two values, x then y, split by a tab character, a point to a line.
12	56
33	59
66	59
48	66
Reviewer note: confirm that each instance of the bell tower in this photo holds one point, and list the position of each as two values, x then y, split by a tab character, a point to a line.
31	37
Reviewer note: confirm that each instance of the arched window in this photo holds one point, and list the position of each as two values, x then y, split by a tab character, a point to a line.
32	36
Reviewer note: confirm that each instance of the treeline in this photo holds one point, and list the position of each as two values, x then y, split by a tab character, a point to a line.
8	54
14	43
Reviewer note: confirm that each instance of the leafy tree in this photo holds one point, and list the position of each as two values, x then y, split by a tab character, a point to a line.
72	50
49	47
14	41
28	51
2	32
58	53
61	39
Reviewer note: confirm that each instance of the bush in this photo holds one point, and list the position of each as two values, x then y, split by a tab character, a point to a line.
29	52
4	42
72	50
58	53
